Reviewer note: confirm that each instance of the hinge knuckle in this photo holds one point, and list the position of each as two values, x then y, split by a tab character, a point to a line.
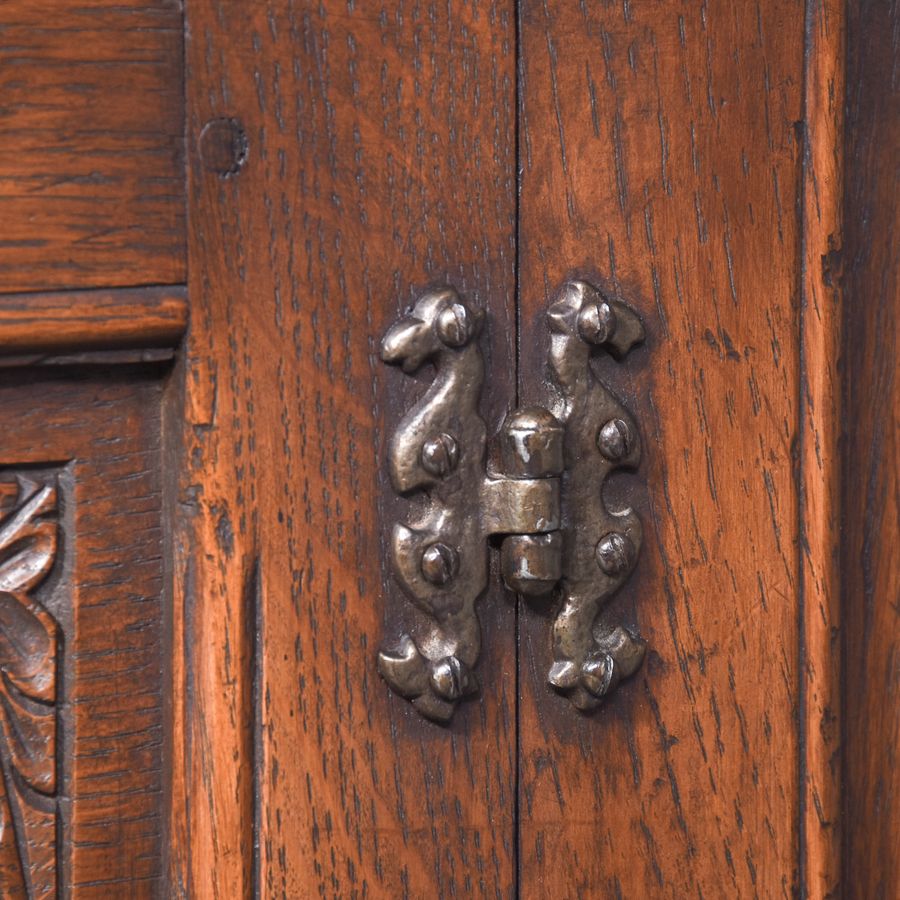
531	564
520	506
531	444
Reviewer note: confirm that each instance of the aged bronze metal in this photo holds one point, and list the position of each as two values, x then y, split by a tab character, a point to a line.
600	546
544	498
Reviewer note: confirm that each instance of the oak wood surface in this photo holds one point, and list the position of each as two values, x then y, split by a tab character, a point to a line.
819	475
661	157
92	320
868	260
94	435
342	157
691	159
92	173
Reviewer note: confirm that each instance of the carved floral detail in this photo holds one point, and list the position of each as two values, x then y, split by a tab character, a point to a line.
28	674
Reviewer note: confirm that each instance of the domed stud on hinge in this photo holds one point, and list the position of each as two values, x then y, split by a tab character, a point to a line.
615	440
598	673
615	553
440	455
439	563
451	679
596	321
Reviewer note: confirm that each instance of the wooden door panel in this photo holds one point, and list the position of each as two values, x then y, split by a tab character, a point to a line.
662	160
84	649
372	152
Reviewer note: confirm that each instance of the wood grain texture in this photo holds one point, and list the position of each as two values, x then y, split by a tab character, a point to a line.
92	175
96	434
92	320
661	158
870	265
372	153
819	450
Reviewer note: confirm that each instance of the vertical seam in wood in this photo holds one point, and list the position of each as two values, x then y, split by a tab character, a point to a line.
179	875
185	874
256	748
518	100
175	803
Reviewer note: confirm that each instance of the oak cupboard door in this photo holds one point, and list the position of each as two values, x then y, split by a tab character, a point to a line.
380	158
664	161
92	308
211	212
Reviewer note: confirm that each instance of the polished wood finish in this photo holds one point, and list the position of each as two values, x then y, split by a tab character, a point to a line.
91	197
92	320
92	170
189	705
868	263
94	435
819	426
379	156
662	159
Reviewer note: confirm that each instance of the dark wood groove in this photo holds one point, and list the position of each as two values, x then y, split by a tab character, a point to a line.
867	265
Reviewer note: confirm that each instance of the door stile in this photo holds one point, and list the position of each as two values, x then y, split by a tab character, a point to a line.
660	160
340	163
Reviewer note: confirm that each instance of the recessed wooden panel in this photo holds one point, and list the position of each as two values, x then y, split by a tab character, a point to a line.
83	660
91	177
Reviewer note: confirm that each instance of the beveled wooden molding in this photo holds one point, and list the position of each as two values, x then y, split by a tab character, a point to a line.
78	321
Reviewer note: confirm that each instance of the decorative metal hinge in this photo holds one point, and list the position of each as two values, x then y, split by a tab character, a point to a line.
544	495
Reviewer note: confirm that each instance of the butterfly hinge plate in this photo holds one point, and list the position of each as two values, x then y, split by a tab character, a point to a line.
539	491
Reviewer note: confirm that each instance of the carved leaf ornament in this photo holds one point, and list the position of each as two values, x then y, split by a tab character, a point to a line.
28	673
